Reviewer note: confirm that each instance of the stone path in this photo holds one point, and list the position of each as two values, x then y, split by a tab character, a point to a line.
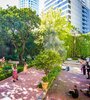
23	89
66	80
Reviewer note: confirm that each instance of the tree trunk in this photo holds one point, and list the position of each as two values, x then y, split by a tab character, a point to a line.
3	51
46	71
21	58
21	54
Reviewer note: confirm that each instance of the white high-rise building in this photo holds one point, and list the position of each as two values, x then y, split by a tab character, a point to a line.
34	4
88	5
77	12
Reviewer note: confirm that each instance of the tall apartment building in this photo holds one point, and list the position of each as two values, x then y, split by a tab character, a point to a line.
77	12
34	4
88	5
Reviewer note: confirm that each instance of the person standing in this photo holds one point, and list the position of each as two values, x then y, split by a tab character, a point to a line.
83	66
88	70
14	74
25	67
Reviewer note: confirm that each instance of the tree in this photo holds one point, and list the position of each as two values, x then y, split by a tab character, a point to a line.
52	42
47	60
19	24
53	20
33	47
83	45
54	26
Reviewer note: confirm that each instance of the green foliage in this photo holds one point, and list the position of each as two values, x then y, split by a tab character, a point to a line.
78	45
6	71
53	20
12	57
6	68
53	74
40	85
52	42
20	68
18	24
83	45
69	45
45	79
47	60
2	76
55	30
20	36
32	47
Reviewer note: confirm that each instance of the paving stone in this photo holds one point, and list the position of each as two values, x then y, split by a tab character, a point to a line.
23	89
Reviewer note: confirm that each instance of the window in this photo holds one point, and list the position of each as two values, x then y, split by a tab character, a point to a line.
83	11
69	17
69	1
46	1
61	4
84	24
49	3
65	7
69	11
69	6
84	8
84	16
84	28
84	19
84	32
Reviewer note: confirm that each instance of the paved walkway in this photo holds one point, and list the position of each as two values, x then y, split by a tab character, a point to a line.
66	80
23	89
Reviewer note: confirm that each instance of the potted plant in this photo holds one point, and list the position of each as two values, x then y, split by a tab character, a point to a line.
45	83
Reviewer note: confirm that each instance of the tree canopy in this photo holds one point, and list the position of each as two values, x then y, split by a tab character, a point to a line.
54	20
18	24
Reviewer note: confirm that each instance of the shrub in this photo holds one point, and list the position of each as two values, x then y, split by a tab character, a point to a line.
2	76
45	79
47	60
53	74
40	85
6	71
20	68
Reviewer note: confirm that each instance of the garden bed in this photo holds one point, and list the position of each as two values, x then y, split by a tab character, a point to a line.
6	71
50	78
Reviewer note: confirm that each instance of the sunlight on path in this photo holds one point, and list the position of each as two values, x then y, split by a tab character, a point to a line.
23	89
66	80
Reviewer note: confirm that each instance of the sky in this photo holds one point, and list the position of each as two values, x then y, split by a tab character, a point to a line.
4	3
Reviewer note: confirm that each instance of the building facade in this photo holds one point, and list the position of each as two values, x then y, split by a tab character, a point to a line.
34	4
88	4
76	11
